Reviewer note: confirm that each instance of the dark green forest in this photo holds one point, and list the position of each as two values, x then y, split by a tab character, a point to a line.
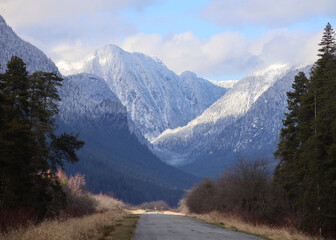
30	149
302	190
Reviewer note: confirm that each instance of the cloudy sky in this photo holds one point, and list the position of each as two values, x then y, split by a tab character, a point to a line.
217	39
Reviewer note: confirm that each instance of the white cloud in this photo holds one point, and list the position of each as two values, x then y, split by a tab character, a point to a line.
66	29
26	12
227	53
266	12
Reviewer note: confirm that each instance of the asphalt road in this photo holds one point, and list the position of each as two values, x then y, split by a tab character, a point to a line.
164	227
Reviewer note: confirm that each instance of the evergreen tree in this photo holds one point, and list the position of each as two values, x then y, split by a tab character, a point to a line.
16	137
307	148
290	138
30	150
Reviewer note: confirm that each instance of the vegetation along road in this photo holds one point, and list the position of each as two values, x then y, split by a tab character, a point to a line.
164	227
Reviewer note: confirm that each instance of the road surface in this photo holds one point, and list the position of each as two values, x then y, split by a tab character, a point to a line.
172	227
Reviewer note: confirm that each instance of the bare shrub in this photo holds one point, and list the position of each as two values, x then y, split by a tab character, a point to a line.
155	205
244	190
182	206
105	202
78	202
200	199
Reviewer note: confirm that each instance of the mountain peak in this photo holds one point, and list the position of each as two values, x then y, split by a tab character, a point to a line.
113	48
188	74
12	45
272	68
109	51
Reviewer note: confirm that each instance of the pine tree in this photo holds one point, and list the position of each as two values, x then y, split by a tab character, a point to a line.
307	148
16	137
323	165
290	138
30	150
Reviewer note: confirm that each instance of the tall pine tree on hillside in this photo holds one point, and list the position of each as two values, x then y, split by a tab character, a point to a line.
290	140
30	151
307	147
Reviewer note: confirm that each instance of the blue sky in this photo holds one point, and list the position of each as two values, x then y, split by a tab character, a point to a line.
216	39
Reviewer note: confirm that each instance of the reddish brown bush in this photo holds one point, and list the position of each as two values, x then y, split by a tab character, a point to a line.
244	190
78	201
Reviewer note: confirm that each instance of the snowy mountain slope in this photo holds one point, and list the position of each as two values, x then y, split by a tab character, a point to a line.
225	84
87	96
113	159
11	44
155	97
178	146
253	135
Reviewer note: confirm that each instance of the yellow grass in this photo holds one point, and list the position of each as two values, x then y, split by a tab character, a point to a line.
109	221
234	223
105	202
87	227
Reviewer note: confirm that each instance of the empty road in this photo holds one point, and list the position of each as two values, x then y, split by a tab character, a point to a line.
172	227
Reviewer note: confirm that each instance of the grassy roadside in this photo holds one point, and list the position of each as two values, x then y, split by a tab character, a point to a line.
221	225
112	224
121	229
263	231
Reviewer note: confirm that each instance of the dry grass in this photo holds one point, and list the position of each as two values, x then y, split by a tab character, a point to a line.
106	203
112	222
75	228
236	224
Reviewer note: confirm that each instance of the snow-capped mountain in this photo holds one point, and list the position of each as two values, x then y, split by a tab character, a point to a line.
88	96
247	118
12	45
113	159
155	97
225	84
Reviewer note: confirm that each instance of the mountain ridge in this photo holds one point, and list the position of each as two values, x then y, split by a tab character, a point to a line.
155	97
113	159
11	44
222	113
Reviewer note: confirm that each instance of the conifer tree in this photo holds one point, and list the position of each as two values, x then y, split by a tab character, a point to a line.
307	148
30	151
290	139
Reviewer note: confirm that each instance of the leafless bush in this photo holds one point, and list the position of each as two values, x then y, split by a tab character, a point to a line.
78	202
155	205
201	198
244	190
105	202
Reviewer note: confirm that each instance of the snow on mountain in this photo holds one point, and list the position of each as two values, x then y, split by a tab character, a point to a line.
253	135
113	159
87	96
225	84
11	44
182	145
155	97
